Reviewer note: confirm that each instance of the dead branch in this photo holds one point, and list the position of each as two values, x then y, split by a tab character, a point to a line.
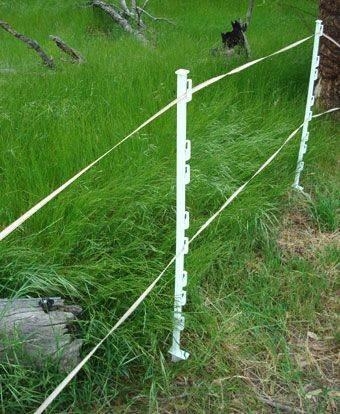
246	45
75	56
250	11
119	19
145	4
48	61
125	8
278	406
164	19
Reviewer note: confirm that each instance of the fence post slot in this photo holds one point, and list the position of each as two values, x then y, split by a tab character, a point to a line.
309	104
184	89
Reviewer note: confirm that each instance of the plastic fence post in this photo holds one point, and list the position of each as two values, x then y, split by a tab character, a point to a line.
184	88
309	104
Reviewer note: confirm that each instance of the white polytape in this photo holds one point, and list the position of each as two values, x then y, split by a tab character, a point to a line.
247	65
9	229
74	372
243	186
135	305
331	39
326	112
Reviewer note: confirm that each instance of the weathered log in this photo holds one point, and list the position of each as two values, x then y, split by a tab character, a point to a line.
119	19
33	44
35	332
75	55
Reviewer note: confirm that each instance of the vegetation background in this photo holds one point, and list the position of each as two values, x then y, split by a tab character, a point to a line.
261	302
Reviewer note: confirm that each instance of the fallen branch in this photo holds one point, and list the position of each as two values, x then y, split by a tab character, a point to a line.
48	61
119	19
279	406
141	11
126	9
75	56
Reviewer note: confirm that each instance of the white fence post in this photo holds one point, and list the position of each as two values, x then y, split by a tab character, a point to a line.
309	104
184	87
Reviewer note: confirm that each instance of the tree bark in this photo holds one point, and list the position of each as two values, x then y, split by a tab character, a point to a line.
328	87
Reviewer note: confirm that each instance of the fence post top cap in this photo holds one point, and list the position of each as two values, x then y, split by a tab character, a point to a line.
182	71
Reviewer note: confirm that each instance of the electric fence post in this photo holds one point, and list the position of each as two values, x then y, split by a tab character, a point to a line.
309	105
184	94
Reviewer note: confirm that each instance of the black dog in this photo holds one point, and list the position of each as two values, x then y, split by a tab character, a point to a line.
236	37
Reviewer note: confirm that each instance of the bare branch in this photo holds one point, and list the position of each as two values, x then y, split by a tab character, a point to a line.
125	8
246	45
110	10
141	11
139	19
145	4
48	61
279	406
250	11
75	56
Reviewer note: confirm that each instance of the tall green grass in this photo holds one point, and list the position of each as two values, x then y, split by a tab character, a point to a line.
101	242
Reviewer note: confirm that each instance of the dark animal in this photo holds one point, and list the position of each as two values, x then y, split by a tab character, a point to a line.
236	37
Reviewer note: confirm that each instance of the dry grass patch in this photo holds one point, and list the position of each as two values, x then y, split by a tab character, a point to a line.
299	236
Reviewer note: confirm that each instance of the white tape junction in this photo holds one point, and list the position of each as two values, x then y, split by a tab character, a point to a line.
17	223
141	298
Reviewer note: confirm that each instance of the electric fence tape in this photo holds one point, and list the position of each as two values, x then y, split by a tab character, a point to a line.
13	226
331	39
141	298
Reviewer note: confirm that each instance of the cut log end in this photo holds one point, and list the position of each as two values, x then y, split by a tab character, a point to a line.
35	333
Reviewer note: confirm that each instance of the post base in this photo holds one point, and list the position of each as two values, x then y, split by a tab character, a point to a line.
178	354
297	187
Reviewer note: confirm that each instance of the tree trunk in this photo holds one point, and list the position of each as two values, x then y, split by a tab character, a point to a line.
250	11
328	88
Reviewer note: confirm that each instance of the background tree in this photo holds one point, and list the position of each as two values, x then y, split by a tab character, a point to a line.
327	90
249	15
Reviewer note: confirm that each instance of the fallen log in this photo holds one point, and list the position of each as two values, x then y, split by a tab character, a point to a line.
39	331
33	44
75	56
119	19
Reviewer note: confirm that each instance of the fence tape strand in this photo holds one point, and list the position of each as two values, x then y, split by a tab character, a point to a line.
18	222
9	229
141	298
331	39
248	65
